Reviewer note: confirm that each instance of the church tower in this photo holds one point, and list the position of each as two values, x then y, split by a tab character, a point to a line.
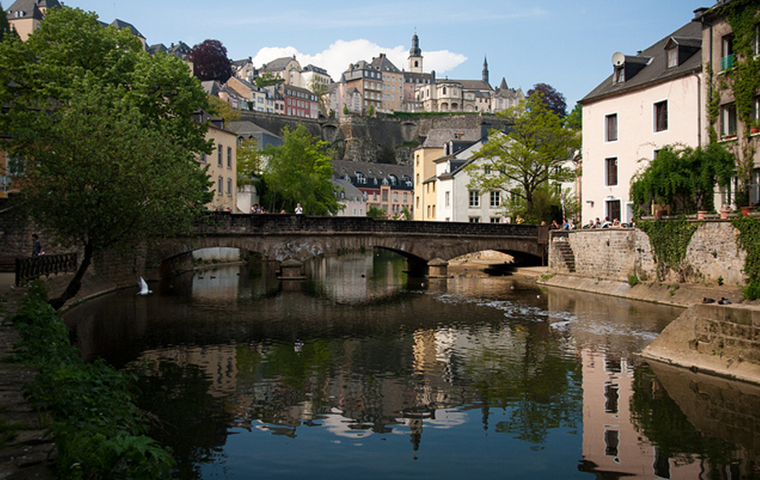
415	55
485	70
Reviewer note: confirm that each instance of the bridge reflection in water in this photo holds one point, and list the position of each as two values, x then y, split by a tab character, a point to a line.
491	372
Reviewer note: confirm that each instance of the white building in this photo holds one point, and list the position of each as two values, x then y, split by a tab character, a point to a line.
650	100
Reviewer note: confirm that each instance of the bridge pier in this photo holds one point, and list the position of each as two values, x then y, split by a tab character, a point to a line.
438	268
291	269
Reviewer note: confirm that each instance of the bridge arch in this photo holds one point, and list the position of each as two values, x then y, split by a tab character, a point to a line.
283	237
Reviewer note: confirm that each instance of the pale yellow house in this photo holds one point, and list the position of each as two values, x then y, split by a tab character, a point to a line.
25	16
222	165
424	193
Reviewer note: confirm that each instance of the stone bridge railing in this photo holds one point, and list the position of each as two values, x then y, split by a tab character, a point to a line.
226	223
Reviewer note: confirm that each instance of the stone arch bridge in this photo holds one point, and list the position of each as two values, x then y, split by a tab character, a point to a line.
427	246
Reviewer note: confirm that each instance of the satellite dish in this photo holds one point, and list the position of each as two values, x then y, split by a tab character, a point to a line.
618	59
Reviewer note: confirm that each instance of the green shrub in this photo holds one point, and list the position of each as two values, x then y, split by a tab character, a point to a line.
633	280
97	429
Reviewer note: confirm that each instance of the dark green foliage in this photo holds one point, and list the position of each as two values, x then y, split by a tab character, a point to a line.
749	240
684	178
669	241
299	171
98	431
376	213
387	155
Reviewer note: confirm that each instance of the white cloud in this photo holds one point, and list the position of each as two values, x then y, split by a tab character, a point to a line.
339	55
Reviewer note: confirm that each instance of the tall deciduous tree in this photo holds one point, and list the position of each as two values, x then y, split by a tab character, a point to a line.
299	171
210	61
684	177
554	100
536	150
107	134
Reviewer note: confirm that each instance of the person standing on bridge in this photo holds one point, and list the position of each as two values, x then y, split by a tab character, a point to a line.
37	249
299	210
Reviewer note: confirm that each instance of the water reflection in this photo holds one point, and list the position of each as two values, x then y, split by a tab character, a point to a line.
363	372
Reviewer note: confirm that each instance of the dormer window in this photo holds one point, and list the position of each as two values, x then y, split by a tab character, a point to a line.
360	178
672	54
620	74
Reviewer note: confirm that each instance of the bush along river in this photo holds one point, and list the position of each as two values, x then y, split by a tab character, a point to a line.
362	372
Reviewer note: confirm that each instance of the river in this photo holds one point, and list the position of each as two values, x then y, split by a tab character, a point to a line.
363	373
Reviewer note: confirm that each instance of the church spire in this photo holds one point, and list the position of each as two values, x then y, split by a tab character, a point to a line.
415	55
485	70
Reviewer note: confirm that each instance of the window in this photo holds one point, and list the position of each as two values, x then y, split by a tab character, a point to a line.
756	40
611	171
756	110
428	209
474	219
613	209
433	211
487	169
360	178
229	157
611	442
229	187
448	203
728	120
727	53
474	198
385	195
219	155
611	396
495	199
672	54
220	186
404	197
619	74
611	127
395	196
661	116
495	219
203	158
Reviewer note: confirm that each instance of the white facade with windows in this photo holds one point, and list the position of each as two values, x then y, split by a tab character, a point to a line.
649	101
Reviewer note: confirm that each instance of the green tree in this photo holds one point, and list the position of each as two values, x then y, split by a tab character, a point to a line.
684	178
220	108
535	151
267	79
5	26
371	111
107	134
321	91
376	213
249	161
299	171
574	119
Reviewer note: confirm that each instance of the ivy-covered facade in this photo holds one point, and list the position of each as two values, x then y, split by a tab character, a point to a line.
731	60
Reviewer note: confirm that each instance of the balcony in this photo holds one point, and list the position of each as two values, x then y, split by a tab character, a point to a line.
727	62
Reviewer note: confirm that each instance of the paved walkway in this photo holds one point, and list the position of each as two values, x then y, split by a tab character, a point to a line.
27	454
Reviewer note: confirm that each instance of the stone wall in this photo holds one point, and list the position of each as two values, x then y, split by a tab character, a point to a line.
720	339
616	254
361	138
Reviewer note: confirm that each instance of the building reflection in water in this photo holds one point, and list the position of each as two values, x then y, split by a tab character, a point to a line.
552	360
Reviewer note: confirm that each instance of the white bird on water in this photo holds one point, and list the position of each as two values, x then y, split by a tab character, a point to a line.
143	285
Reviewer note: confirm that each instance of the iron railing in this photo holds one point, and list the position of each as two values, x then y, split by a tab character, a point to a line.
31	268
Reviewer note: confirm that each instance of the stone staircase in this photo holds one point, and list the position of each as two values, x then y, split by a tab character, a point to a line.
565	252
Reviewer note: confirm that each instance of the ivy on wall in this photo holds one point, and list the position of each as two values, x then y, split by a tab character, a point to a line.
741	79
669	241
749	240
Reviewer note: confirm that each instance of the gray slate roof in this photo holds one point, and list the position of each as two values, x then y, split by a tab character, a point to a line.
30	8
655	69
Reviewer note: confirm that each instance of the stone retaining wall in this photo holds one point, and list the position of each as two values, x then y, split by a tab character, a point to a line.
719	339
616	254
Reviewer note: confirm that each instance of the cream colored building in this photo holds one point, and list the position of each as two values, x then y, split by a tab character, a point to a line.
222	165
24	16
650	100
424	171
719	52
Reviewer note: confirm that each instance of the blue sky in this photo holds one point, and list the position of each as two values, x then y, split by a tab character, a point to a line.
565	44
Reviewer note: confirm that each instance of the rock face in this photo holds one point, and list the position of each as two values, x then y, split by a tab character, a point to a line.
372	139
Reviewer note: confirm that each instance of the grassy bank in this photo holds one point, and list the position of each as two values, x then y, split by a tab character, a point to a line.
97	429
